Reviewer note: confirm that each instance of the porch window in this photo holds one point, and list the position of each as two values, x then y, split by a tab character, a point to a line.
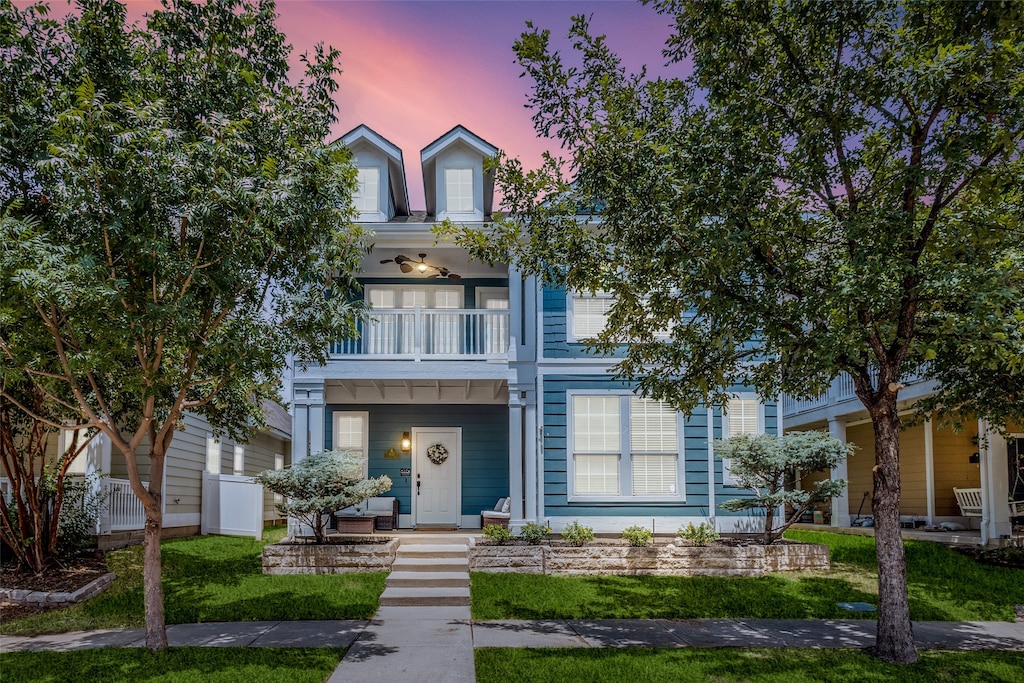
351	433
393	331
624	446
367	196
743	415
458	183
212	455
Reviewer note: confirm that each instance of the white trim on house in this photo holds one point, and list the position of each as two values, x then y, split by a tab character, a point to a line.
623	454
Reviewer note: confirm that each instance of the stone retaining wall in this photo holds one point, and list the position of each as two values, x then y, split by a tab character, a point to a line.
667	560
333	558
89	590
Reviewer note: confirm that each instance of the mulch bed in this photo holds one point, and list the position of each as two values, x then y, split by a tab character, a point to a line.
67	577
1007	556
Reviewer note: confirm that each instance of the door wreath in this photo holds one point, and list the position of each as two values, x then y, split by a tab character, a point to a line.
437	454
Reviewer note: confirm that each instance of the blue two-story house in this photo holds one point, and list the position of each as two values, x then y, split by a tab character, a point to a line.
470	383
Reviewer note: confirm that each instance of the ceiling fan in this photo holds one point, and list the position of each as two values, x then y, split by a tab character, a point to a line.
408	265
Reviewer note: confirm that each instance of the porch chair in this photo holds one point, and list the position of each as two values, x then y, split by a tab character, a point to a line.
500	515
383	509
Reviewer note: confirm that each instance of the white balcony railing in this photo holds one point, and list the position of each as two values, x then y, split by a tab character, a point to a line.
436	334
842	390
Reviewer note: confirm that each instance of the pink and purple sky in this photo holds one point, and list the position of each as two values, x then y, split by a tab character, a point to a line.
413	70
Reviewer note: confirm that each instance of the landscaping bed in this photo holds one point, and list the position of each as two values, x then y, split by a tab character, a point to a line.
719	559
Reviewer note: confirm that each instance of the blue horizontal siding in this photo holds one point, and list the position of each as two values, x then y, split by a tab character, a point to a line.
484	447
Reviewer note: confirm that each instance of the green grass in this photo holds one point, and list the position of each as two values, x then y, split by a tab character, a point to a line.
943	585
174	665
507	665
213	578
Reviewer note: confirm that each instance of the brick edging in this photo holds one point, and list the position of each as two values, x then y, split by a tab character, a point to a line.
30	597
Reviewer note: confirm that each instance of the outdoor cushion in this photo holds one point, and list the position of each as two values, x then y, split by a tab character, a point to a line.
507	505
380	504
500	505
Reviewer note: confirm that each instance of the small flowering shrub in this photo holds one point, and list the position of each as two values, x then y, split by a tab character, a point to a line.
637	536
534	533
701	535
498	534
577	535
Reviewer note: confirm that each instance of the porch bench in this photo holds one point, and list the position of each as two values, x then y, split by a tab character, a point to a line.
383	509
969	501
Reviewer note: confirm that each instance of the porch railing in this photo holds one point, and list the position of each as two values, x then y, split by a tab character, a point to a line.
842	390
436	334
123	511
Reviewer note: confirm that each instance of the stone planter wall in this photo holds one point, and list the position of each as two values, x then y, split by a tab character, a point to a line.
332	558
667	560
89	590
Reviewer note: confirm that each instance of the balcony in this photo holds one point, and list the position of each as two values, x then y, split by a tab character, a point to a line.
428	334
841	392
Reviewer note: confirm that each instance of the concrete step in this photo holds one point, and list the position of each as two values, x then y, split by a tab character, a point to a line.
430	564
431	579
447	550
424	596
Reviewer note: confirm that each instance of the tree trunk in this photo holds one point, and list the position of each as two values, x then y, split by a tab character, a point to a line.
769	523
895	638
153	593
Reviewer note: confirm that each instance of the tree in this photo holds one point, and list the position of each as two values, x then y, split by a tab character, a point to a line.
323	482
173	223
835	188
768	464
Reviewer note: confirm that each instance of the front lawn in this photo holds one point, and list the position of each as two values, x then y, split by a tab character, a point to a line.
507	665
944	586
174	665
213	578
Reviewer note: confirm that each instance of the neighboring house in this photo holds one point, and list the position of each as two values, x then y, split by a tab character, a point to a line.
933	461
489	365
194	454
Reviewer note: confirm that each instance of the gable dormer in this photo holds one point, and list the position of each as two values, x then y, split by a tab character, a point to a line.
455	184
381	193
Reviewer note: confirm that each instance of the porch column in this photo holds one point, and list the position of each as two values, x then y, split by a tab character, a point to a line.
929	468
995	511
516	454
840	503
307	429
530	456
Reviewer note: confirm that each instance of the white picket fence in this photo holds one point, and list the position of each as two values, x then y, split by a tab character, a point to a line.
122	510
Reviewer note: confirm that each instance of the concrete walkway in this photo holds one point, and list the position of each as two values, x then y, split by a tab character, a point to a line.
438	628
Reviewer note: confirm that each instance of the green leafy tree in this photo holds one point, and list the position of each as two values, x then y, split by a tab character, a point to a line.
173	223
834	187
768	464
322	484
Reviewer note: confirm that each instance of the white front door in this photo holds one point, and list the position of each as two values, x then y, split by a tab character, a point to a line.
436	494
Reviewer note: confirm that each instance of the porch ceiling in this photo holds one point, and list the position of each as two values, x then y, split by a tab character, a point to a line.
454	391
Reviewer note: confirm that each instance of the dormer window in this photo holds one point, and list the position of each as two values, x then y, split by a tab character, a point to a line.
458	184
367	197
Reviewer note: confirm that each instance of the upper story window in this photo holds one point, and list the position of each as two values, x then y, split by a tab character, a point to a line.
458	183
589	314
367	197
411	296
623	446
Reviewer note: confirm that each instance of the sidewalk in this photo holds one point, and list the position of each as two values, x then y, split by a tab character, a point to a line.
367	639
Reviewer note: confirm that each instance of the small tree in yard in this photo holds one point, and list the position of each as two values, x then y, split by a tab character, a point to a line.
767	465
322	483
172	224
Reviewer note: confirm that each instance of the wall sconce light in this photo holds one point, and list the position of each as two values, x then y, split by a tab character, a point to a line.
406	442
975	458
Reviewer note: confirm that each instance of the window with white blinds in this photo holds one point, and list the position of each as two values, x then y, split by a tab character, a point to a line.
743	416
458	184
352	433
367	196
278	465
589	315
212	455
654	447
238	463
624	446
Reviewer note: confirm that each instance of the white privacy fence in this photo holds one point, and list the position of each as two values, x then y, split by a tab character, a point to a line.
232	505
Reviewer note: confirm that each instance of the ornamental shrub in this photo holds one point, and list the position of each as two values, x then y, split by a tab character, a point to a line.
577	535
498	534
534	533
322	483
637	536
701	535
